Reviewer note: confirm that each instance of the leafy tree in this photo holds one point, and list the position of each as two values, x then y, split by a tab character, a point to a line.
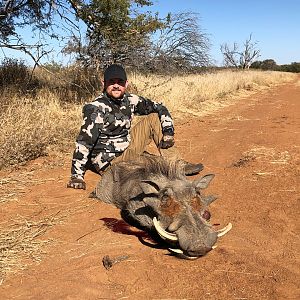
267	64
115	29
40	16
20	13
270	64
256	65
116	32
234	57
293	67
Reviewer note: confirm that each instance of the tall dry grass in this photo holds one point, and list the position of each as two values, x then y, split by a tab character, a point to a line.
30	126
205	93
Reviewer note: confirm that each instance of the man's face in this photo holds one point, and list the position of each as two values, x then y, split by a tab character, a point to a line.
115	87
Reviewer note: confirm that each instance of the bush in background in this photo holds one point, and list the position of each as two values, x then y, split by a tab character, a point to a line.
14	74
72	84
270	64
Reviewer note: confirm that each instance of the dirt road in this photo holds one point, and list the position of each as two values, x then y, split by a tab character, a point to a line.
251	146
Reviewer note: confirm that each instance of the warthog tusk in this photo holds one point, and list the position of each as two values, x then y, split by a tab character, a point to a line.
181	254
179	251
164	234
224	230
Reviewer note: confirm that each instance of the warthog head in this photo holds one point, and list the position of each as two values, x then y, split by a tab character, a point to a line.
155	195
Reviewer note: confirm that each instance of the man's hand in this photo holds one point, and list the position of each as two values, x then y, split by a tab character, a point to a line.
167	141
76	183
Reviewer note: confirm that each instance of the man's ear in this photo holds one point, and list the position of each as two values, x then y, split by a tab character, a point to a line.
126	84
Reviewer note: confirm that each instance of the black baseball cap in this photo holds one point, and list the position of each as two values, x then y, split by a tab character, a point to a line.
115	71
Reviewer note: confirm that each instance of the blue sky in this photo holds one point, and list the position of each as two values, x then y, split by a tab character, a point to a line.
274	25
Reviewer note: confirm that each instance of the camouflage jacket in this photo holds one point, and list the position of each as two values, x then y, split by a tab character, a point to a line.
105	130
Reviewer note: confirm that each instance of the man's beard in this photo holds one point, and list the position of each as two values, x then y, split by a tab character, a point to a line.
116	90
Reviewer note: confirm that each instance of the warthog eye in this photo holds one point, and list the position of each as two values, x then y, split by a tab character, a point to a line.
165	199
165	195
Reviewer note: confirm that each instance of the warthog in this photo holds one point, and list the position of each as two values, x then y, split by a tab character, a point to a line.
154	194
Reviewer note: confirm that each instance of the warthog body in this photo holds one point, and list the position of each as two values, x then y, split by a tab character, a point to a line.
154	194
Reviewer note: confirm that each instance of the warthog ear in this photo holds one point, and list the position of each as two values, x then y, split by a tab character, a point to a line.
203	182
149	187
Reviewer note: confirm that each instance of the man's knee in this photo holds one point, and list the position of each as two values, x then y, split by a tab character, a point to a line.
153	119
152	122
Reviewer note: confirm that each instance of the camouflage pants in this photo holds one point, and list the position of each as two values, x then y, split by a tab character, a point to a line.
142	134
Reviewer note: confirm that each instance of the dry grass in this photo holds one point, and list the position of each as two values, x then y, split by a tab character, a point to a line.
266	156
204	94
269	155
20	243
29	126
14	185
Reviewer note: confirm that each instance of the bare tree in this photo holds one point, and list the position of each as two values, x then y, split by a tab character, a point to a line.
182	44
237	58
